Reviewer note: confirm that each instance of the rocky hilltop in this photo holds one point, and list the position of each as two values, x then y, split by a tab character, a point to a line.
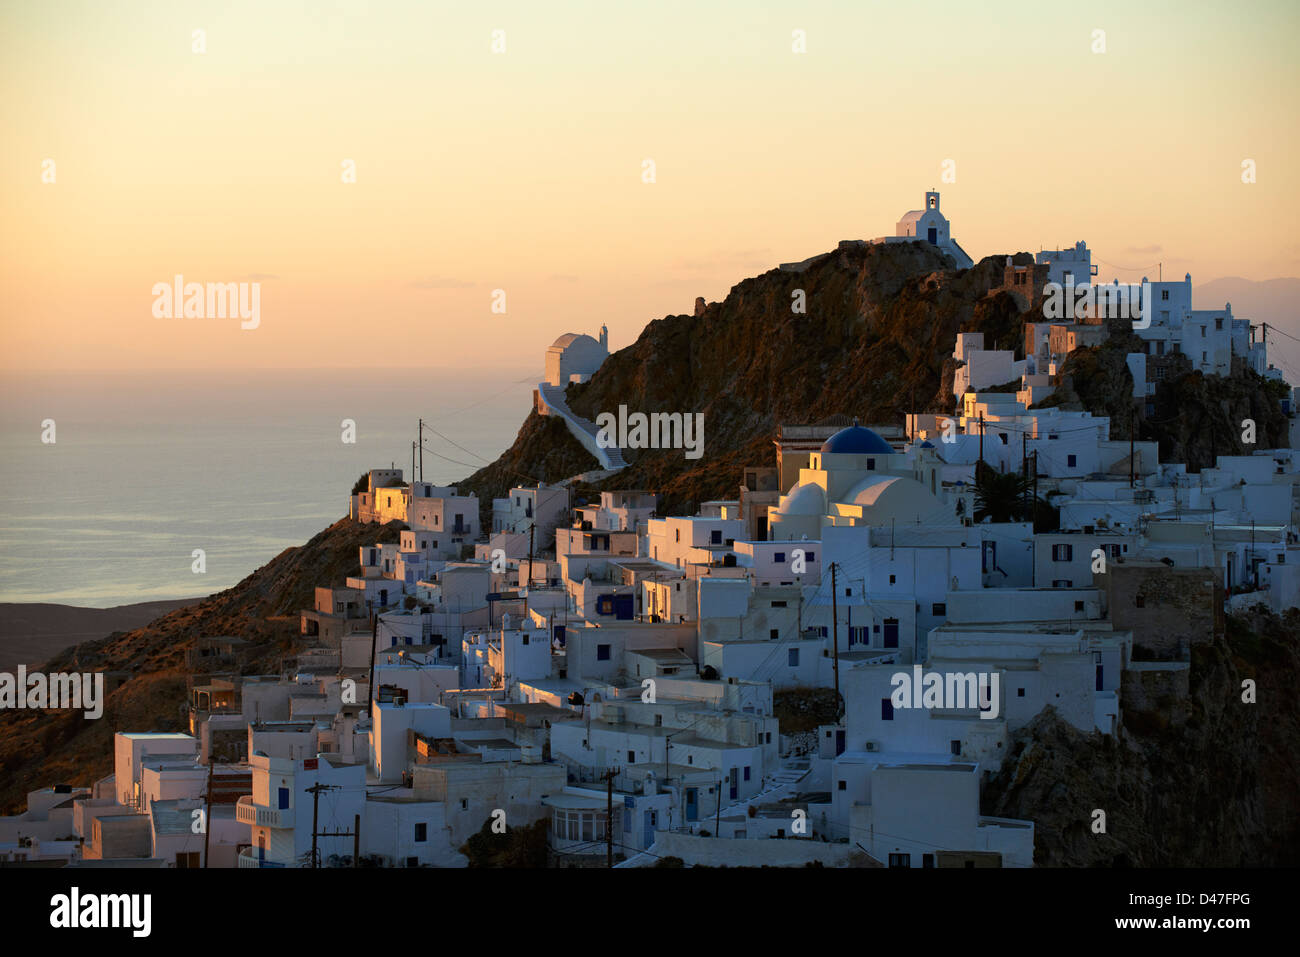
875	342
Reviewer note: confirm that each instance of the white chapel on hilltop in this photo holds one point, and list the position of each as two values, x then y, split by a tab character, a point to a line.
929	225
575	357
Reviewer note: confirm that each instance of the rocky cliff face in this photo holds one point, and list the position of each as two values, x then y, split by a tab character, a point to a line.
1202	780
880	323
1195	417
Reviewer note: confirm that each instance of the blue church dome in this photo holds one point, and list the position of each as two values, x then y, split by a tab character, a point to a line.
855	440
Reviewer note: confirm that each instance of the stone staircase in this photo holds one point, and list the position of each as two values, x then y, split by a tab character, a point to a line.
584	430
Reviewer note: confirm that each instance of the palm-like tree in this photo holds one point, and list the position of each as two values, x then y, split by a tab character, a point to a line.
1002	496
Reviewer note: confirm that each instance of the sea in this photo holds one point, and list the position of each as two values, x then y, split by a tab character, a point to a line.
145	468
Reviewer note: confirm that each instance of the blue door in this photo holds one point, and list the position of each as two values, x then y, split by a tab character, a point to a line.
733	783
1099	680
839	741
932	234
891	632
692	804
284	799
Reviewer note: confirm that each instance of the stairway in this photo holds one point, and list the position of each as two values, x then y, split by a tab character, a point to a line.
584	430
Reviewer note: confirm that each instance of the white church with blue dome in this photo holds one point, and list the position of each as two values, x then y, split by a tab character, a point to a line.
857	478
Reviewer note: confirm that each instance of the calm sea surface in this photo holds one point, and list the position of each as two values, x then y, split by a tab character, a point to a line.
148	467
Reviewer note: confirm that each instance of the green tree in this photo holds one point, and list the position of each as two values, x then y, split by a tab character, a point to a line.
517	847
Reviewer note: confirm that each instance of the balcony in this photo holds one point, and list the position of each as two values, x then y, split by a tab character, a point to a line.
246	812
248	858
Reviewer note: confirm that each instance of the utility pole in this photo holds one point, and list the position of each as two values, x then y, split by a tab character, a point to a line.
412	462
315	792
529	586
609	818
1034	502
374	638
1254	565
835	643
207	812
422	450
1132	440
1024	467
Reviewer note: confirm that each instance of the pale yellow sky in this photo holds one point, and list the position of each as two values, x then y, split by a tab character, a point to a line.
522	170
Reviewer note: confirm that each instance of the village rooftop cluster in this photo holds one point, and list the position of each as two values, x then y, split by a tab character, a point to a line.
620	675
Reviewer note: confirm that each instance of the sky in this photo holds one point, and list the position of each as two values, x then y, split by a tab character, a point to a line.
525	170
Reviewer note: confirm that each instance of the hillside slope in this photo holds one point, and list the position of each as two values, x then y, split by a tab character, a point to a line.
874	343
40	748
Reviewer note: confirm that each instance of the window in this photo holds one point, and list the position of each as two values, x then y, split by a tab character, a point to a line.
412	862
900	860
939	608
1071	461
774	633
659	721
602	652
811	556
1202	334
778	557
927	860
886	709
631	757
747	772
715	536
1062	553
893	579
464	804
871	465
1062	583
955	746
421	832
1164	294
793	657
778	604
1078	606
1020	692
844	785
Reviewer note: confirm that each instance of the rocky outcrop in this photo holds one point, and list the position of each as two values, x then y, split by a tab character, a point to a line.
880	321
1203	781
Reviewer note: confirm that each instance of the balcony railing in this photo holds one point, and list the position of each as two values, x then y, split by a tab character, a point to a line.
248	858
246	812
